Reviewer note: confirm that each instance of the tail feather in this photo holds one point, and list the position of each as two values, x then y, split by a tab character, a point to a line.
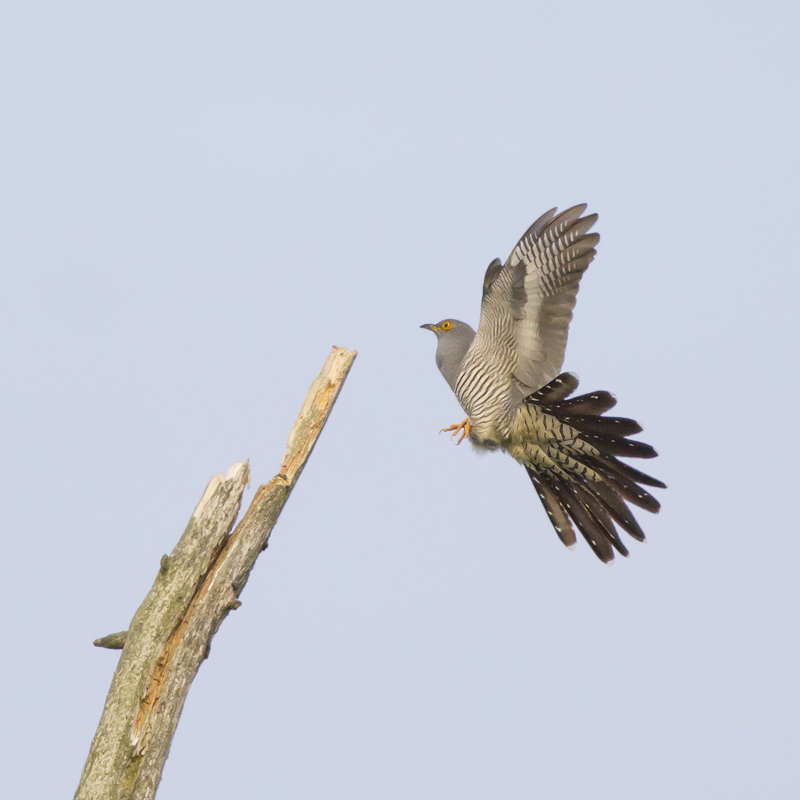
586	524
603	518
626	487
558	389
613	426
582	483
595	403
619	446
615	465
620	513
552	505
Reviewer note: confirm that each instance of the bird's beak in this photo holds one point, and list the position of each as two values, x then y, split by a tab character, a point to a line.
429	327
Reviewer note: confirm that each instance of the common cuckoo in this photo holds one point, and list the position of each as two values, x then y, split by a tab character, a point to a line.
506	378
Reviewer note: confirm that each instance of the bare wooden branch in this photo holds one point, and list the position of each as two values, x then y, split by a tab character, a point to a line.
196	587
114	641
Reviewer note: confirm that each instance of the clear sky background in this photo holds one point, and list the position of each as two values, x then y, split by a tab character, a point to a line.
198	199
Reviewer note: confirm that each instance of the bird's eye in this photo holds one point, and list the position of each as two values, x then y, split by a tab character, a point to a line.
447	325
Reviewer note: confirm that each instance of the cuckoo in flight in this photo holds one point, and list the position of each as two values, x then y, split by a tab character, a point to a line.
506	377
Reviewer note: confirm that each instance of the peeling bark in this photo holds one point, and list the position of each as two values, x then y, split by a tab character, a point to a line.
195	588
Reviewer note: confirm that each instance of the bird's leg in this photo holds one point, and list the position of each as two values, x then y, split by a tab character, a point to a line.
463	426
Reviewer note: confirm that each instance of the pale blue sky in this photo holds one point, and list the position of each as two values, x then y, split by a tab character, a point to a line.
198	199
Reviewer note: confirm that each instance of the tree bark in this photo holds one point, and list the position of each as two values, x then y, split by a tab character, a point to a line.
196	586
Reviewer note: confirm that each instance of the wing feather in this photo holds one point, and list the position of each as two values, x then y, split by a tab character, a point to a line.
554	253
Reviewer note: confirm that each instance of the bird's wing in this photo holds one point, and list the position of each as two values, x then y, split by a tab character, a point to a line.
552	255
485	385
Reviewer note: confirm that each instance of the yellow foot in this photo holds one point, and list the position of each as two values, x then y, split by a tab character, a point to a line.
464	427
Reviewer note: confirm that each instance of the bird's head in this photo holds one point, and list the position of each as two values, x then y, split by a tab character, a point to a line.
454	338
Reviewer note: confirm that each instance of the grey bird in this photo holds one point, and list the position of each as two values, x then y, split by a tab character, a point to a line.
506	378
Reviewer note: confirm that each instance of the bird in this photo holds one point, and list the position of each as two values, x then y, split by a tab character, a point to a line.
507	378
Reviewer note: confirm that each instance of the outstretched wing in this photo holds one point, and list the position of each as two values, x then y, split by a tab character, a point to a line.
554	253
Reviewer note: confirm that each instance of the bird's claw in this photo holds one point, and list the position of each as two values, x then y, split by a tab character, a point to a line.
463	426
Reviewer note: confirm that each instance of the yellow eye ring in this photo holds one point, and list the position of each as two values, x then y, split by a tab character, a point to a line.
447	325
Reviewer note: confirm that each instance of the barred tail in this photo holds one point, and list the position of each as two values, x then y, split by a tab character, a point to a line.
576	470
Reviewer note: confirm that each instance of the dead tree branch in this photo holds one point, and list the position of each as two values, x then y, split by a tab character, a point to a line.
196	586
